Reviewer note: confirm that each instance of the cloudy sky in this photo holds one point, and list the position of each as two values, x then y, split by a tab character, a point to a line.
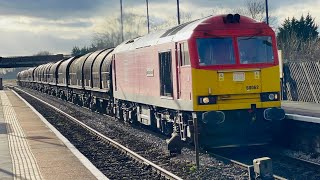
31	26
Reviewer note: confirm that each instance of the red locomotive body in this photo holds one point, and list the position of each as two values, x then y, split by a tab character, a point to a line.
145	71
221	72
202	68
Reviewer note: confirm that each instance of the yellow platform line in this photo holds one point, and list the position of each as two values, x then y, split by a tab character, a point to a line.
24	163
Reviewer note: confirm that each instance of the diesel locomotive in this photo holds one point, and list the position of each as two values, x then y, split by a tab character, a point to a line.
222	71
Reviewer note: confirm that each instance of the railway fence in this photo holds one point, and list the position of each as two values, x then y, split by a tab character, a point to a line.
301	81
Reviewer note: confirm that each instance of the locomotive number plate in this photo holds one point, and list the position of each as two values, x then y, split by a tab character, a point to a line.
239	76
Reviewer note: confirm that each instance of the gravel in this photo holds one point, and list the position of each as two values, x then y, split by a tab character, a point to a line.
312	157
109	160
149	144
283	165
294	169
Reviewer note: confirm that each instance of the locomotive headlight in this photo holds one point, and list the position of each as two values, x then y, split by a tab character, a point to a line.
271	97
205	100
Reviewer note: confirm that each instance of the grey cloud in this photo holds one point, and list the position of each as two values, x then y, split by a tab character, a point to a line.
75	13
75	24
71	24
88	8
28	43
55	9
273	5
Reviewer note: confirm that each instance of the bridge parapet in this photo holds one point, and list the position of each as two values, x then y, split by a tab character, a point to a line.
28	61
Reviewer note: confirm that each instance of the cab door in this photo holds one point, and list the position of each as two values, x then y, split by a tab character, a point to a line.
184	86
165	72
178	63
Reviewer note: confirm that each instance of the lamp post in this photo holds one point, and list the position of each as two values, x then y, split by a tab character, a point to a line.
121	19
147	2
178	12
267	12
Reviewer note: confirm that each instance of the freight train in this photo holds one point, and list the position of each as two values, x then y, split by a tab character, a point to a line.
221	71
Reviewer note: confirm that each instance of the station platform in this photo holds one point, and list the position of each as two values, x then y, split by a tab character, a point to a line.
301	108
30	148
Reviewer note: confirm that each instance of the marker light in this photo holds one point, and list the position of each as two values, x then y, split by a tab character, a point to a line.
206	100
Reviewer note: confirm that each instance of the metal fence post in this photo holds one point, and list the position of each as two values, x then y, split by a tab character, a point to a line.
1	85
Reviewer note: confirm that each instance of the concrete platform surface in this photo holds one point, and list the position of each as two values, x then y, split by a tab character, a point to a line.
30	150
301	108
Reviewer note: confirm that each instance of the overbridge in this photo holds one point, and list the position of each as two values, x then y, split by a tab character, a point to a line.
28	61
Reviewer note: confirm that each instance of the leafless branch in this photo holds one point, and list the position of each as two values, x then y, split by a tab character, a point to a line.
256	9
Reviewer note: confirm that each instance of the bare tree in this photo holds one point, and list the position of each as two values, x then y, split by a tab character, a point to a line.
295	49
251	8
134	25
160	24
42	53
185	17
290	46
256	9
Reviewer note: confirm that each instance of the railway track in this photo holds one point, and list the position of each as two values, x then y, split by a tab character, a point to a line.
145	163
284	166
306	161
243	165
289	167
298	167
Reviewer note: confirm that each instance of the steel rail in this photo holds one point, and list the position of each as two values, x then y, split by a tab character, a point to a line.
303	118
115	144
303	160
240	164
276	152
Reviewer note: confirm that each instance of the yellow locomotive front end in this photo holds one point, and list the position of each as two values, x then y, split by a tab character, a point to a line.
236	84
237	107
236	88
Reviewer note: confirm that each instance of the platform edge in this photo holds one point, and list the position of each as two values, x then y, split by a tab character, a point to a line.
96	172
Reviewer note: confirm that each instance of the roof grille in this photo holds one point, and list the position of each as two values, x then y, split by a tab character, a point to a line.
175	29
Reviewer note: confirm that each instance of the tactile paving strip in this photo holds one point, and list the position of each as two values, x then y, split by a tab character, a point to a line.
24	164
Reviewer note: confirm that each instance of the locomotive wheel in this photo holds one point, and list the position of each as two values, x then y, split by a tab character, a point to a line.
92	106
99	106
119	113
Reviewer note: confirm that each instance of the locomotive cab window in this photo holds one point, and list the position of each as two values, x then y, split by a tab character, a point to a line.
215	51
256	49
184	54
